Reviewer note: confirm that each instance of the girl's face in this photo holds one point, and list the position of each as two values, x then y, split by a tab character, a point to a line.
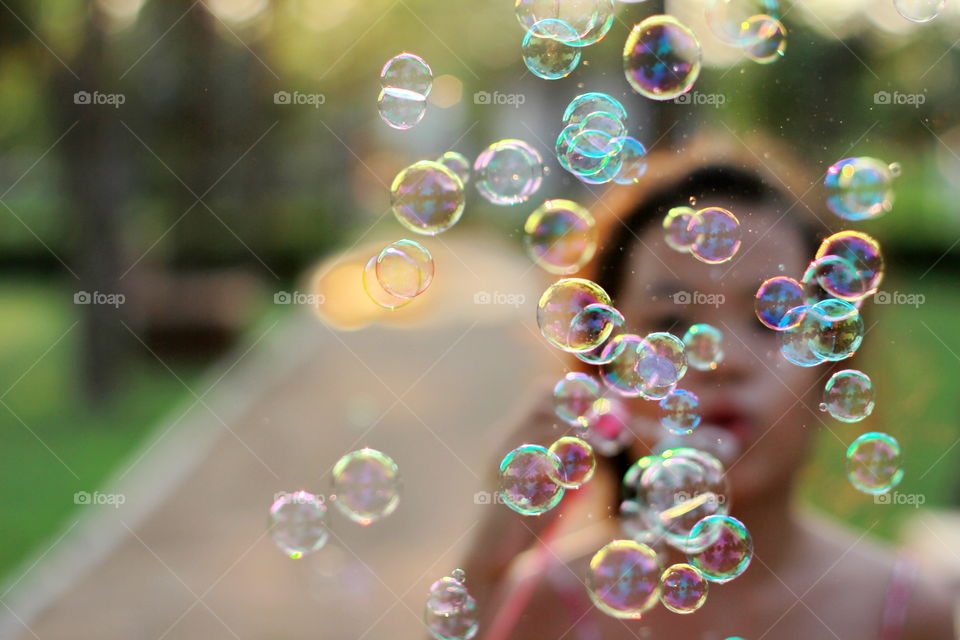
758	409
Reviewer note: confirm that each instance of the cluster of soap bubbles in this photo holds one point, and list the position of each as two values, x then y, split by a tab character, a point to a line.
860	188
593	144
753	26
508	172
919	10
556	32
398	274
406	80
560	236
451	612
711	235
366	488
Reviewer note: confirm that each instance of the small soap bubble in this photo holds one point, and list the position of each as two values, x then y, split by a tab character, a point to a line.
559	306
775	297
680	412
546	50
577	461
375	291
661	58
874	463
596	319
401	109
859	250
835	276
683	589
298	523
528	480
766	37
718	235
508	172
427	198
405	268
859	188
573	398
797	329
560	236
676	231
624	579
409	72
720	547
367	485
451	612
848	396
703	345
838	329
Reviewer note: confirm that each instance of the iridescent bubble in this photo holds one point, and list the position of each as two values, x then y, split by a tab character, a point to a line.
661	58
590	19
573	398
375	291
560	236
797	328
409	72
594	319
836	276
861	251
447	596
726	17
577	461
586	104
766	37
676	229
427	198
680	412
457	163
838	329
859	188
718	235
848	396
527	480
633	160
367	485
703	345
401	109
546	51
874	463
601	129
451	612
683	589
720	547
298	523
608	432
919	10
580	163
559	306
670	349
624	579
405	268
775	298
508	172
622	356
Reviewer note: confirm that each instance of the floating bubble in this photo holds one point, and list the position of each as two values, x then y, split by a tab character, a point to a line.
451	612
457	163
633	160
546	51
775	297
601	129
590	20
577	461
838	329
527	480
401	109
559	306
622	355
859	188
676	229
427	198
573	398
670	349
595	318
683	589
720	547
447	596
766	37
367	485
874	463
560	236
584	164
405	268
718	235
680	412
298	523
608	432
703	345
848	396
861	251
586	104
661	58
624	579
409	72
508	172
797	328
726	18
836	276
375	291
919	10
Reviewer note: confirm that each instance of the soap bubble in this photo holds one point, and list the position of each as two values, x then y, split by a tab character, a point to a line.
683	589
577	461
559	306
859	188
766	37
527	480
919	10
595	318
573	398
726	18
874	463
451	612
457	163
375	291
838	329
298	523
661	58
720	547
680	412
624	579
861	251
427	198
718	235
590	20
367	485
775	297
560	236
622	355
633	160
446	596
508	172
676	229
797	328
670	349
405	268
835	276
409	72
546	51
703	345
848	396
586	104
401	109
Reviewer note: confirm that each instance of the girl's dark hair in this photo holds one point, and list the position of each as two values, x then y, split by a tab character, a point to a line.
706	184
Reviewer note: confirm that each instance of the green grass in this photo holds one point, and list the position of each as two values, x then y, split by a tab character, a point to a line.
913	358
37	489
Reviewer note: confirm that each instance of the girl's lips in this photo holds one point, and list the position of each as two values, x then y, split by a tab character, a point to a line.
731	420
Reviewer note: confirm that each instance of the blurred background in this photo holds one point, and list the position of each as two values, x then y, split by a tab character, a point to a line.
172	174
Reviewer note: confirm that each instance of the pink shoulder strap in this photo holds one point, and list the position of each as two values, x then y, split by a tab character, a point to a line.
898	597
